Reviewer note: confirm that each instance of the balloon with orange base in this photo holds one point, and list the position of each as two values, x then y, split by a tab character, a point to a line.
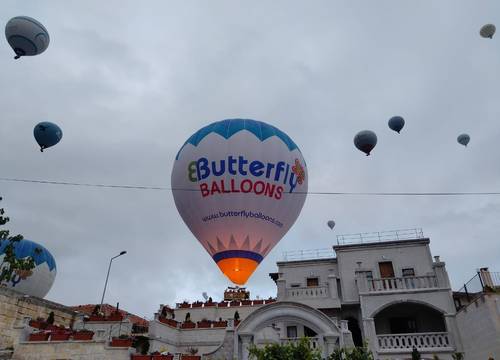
239	185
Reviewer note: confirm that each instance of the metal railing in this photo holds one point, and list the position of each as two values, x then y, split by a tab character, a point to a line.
380	236
297	255
483	281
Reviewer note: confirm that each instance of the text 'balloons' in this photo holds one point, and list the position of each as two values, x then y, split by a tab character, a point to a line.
365	141
487	31
396	123
239	185
26	36
47	134
463	139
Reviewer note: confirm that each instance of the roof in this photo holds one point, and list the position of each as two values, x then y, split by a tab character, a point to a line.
409	242
107	310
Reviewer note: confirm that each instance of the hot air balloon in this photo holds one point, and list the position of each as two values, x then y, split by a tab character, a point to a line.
396	123
365	141
331	224
487	31
27	267
239	185
47	134
463	139
26	36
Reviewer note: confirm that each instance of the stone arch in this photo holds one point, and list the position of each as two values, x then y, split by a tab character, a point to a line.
288	311
266	315
412	301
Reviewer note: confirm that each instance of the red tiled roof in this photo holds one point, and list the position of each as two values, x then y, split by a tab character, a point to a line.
108	310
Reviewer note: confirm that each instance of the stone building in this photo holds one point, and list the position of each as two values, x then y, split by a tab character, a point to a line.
384	289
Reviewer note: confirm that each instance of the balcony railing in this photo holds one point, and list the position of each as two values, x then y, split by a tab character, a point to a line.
380	236
313	341
422	341
307	292
402	283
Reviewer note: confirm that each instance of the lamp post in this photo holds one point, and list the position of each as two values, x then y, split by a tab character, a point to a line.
107	276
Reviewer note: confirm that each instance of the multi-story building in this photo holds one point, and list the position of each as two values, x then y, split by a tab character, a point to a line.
384	289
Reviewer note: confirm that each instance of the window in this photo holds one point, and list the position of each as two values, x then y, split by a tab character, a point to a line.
291	332
409	272
403	325
312	282
295	285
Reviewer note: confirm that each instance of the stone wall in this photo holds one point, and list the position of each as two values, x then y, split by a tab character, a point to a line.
81	350
16	308
479	325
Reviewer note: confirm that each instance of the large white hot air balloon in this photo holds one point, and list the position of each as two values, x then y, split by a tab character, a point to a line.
239	185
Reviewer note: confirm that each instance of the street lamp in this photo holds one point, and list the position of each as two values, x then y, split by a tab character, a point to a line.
107	276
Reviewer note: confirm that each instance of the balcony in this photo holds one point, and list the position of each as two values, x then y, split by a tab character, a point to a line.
303	293
428	342
314	342
402	283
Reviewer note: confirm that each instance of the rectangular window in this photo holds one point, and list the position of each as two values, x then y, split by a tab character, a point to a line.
386	269
291	332
409	272
295	285
312	282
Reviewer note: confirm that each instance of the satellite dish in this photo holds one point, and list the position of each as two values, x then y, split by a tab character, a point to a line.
205	296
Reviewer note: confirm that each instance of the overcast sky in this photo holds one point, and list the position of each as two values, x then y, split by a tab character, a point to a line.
130	81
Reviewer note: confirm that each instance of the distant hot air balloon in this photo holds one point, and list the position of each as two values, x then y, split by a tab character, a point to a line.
27	267
463	139
26	36
331	224
239	185
365	141
487	31
47	134
396	123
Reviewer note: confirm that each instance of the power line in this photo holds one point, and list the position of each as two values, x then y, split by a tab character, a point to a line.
163	188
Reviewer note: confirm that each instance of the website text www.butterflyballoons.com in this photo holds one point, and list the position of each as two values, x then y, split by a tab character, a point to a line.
243	213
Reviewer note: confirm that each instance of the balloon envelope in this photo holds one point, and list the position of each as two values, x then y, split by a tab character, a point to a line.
47	134
239	185
487	31
396	123
26	36
331	224
365	141
30	267
463	139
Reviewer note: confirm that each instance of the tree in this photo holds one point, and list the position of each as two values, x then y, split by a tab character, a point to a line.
12	270
299	350
415	355
50	318
356	353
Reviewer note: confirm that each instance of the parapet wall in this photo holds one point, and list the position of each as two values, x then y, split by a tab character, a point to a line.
16	308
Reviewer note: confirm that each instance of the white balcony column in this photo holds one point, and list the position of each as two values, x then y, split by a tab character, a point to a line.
332	286
361	281
281	284
452	329
246	341
370	334
329	344
442	278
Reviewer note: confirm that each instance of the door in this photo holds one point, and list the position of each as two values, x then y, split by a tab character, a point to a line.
387	273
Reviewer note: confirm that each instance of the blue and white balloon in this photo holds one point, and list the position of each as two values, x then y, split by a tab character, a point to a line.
27	267
47	134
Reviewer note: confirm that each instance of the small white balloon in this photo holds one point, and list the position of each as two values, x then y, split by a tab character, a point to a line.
26	36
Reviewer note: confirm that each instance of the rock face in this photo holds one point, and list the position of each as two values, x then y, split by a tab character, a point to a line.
16	309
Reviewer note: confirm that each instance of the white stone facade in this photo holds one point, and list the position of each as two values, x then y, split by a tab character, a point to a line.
392	295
